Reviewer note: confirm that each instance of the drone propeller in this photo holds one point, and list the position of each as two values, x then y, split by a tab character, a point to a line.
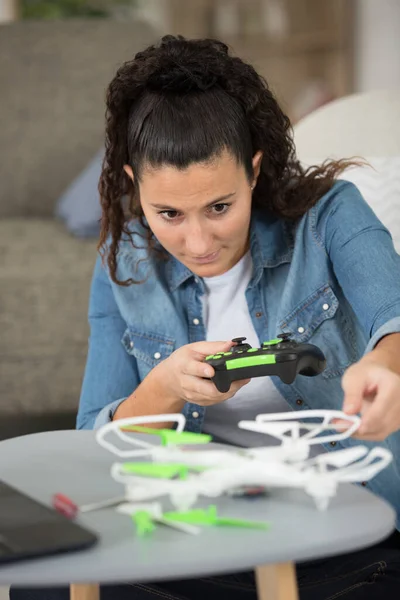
275	429
339	458
325	415
364	470
141	447
313	429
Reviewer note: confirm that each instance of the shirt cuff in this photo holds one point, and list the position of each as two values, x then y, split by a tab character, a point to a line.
392	326
107	413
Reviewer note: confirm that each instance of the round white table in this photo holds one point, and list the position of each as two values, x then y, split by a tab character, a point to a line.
71	462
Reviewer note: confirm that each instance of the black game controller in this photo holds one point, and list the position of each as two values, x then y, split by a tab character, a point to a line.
281	356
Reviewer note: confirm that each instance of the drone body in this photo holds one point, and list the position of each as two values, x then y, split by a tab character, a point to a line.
184	473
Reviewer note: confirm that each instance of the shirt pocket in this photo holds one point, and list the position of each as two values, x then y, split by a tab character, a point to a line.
148	348
320	320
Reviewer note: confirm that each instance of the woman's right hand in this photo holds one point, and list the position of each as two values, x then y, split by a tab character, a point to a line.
185	375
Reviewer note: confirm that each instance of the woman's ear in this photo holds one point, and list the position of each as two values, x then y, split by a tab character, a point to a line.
128	171
257	158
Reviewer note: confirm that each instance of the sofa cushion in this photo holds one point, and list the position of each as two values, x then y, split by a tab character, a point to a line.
53	78
45	279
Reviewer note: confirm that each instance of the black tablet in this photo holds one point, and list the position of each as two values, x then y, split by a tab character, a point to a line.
29	529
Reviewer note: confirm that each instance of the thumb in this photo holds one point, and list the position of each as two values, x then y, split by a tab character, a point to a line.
354	384
206	348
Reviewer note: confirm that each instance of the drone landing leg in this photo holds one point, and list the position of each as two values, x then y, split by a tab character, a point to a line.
277	582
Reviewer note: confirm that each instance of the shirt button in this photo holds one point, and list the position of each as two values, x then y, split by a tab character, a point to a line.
157	355
258	314
299	402
301	329
196	322
364	483
195	414
333	444
325	306
131	344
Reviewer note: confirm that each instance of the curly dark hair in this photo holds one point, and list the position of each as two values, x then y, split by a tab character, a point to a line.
184	101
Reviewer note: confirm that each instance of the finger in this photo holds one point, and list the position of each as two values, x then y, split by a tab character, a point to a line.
205	393
234	388
341	424
200	391
371	429
371	437
355	383
377	418
196	368
237	385
375	426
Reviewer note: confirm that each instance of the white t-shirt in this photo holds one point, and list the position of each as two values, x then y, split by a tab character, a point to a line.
226	316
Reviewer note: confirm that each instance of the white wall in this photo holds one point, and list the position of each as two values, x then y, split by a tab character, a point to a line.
154	12
8	10
377	45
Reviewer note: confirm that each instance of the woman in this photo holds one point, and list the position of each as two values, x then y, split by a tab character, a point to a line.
210	230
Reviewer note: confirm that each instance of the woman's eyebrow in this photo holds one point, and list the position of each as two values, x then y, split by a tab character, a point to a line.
215	201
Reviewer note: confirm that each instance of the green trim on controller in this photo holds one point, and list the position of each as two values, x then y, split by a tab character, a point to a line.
219	355
272	342
251	361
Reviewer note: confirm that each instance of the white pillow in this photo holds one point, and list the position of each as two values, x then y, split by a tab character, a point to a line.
79	205
380	186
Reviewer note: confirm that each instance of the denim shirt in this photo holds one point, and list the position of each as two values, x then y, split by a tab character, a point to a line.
331	279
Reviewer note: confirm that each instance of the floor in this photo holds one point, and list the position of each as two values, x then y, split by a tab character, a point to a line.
3	593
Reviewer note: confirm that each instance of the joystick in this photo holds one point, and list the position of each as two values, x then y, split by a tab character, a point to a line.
281	356
284	336
240	346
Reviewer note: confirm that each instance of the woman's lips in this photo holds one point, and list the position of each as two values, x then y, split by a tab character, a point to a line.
206	259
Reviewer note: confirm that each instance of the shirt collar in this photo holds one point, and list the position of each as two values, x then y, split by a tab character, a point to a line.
271	243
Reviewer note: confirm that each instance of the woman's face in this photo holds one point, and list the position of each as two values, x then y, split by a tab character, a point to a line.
200	215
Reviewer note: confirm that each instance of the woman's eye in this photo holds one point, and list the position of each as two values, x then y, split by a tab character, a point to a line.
173	215
219	209
169	215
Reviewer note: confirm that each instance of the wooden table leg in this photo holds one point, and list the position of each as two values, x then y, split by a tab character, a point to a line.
277	582
84	591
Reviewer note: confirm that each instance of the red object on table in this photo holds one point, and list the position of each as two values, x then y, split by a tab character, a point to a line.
65	506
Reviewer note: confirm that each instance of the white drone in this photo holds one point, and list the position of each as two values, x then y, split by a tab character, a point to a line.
183	473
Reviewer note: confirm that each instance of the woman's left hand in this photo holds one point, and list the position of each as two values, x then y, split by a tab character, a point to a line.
373	391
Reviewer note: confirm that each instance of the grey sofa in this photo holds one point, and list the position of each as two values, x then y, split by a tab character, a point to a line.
52	82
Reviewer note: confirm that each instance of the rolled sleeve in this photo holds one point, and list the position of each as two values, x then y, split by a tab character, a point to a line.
107	413
392	326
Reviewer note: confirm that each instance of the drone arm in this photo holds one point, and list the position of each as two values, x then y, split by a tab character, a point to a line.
141	448
364	470
314	429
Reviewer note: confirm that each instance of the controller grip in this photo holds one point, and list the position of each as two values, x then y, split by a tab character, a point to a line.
222	381
311	364
288	372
